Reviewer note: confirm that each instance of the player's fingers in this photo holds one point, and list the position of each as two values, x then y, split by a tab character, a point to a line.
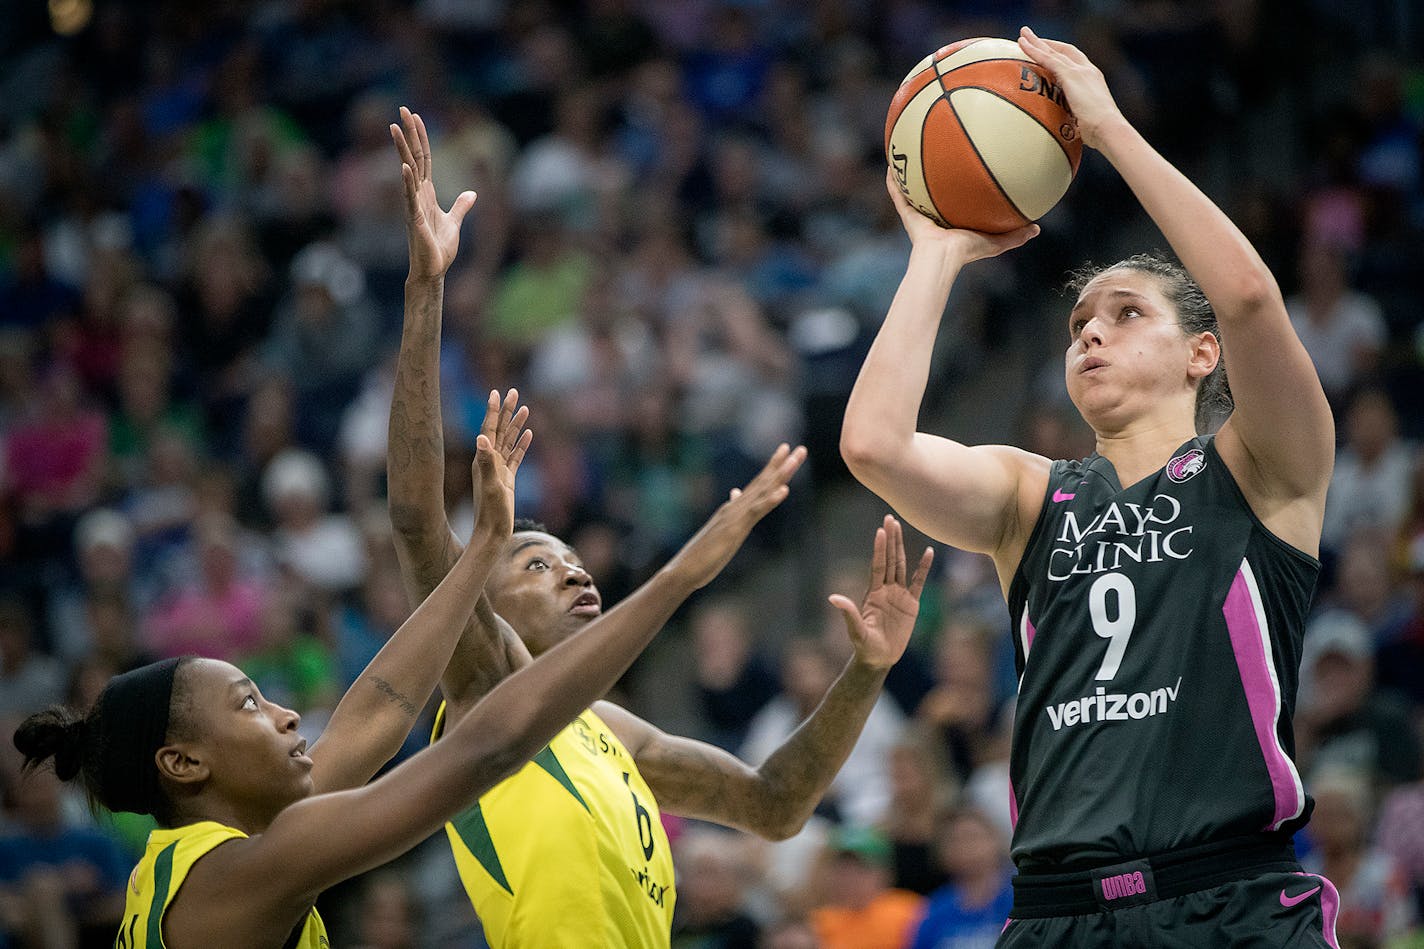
917	582
424	142
791	464
402	146
412	137
516	457
490	425
462	206
877	560
1068	51
897	197
895	534
414	215
1016	238
775	498
855	627
767	475
484	458
1057	48
506	410
512	430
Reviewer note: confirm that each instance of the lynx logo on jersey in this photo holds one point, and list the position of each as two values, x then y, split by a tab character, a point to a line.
1130	533
1186	466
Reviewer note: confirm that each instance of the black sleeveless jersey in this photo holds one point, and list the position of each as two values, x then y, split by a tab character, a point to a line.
1158	636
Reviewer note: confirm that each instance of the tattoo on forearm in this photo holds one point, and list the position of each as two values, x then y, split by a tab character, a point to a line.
396	696
416	439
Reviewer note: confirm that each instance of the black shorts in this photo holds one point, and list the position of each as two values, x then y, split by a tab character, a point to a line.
1252	896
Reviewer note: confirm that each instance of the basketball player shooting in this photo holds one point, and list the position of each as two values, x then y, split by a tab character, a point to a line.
1158	588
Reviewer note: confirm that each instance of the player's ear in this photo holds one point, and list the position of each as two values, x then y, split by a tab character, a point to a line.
1205	354
182	763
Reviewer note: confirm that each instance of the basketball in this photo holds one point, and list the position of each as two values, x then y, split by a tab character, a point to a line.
980	138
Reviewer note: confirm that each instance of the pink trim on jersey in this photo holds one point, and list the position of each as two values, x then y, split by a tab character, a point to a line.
1251	642
1007	923
1026	634
1329	907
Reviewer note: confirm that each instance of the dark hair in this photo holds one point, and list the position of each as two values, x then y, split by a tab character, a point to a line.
522	524
110	748
1194	313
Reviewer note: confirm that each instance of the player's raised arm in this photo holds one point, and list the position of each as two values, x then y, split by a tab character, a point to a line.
971	497
415	459
695	779
1279	441
377	712
323	840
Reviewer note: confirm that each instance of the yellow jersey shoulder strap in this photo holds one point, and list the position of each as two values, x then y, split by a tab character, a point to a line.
167	860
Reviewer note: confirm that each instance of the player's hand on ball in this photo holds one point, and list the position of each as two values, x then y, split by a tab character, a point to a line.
880	627
433	234
1083	84
966	245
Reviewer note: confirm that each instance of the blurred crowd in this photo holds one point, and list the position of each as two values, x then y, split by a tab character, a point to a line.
681	249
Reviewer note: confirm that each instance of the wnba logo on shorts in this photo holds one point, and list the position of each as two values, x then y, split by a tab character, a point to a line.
1184	467
1124	884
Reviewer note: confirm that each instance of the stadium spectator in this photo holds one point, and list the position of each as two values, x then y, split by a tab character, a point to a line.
969	910
862	910
1342	329
712	877
1375	903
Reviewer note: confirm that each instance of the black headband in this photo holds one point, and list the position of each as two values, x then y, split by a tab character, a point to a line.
133	715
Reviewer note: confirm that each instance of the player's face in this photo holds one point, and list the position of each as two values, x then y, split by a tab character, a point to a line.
251	748
541	588
1126	350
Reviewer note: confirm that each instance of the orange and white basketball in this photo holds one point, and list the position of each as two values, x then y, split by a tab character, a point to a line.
980	137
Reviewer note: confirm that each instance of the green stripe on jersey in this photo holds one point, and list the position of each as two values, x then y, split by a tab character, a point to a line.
475	833
162	877
546	760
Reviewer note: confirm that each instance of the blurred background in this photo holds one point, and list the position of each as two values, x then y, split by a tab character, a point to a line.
681	250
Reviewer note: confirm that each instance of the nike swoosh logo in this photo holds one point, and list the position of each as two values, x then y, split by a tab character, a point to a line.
1058	495
1293	900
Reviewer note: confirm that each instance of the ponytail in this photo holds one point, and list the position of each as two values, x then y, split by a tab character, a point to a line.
54	733
111	749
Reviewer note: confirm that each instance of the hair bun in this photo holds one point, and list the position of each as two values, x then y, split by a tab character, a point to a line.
54	733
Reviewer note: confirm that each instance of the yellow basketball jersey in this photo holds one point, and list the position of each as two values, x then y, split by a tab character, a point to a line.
570	851
166	861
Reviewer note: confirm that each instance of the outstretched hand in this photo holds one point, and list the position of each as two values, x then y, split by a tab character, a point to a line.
433	234
709	550
968	245
1082	83
499	450
880	627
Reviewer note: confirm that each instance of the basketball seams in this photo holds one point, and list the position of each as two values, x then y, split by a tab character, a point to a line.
980	155
976	62
1052	133
944	88
924	124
